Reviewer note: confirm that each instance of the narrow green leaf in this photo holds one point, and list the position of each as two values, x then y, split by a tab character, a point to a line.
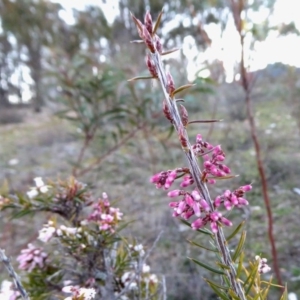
182	88
233	234
240	265
258	296
233	294
224	267
201	246
205	266
140	77
22	213
217	290
285	294
240	246
204	230
253	271
268	284
252	276
157	22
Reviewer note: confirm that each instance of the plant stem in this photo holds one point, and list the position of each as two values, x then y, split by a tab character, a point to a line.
13	275
264	184
197	174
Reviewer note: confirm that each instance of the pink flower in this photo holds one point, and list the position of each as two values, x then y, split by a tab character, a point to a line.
104	215
32	257
262	265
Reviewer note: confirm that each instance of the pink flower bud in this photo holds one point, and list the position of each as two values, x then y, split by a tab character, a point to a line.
225	221
189	200
195	194
214	227
174	193
227	204
173	204
170	83
227	194
211	181
148	40
217	150
181	207
243	201
155	178
215	216
198	224
218	201
196	209
204	205
158	45
220	157
246	188
148	22
187	214
198	138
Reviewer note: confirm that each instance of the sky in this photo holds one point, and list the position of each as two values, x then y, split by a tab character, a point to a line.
285	49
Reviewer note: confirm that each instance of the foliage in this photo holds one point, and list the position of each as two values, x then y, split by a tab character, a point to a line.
80	247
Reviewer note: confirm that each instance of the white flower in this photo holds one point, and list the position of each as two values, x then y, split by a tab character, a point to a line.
292	296
140	249
46	233
32	193
146	268
132	285
153	278
6	292
68	231
40	185
87	293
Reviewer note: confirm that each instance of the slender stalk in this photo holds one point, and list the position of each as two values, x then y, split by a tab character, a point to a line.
197	174
13	275
264	184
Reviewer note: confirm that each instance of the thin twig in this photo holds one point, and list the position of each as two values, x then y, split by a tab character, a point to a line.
13	275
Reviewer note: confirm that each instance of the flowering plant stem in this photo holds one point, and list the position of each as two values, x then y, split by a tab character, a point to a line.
197	174
247	85
13	275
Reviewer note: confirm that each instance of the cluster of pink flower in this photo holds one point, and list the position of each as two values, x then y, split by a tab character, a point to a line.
31	258
192	203
104	215
213	156
262	265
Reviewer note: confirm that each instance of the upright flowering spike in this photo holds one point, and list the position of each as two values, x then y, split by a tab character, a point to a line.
148	22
